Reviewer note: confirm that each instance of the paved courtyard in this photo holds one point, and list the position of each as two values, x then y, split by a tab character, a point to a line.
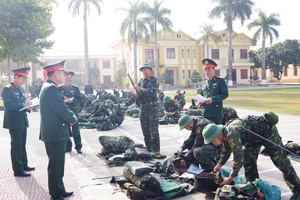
88	176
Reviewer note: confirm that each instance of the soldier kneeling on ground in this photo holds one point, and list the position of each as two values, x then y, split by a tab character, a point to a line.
115	116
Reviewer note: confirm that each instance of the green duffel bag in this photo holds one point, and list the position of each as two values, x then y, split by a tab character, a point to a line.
145	182
136	193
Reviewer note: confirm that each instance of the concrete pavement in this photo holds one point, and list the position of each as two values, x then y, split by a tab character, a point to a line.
88	176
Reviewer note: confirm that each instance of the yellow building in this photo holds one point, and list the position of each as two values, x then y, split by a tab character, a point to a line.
181	55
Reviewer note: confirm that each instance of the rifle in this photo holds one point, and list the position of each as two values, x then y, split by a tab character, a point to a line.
137	101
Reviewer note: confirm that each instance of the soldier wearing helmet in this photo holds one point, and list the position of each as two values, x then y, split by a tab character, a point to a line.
146	95
198	153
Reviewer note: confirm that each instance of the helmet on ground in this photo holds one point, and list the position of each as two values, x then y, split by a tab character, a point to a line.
184	121
210	132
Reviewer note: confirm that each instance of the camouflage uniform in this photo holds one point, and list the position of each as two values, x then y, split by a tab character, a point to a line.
180	98
149	113
232	144
171	107
252	145
115	116
205	155
229	114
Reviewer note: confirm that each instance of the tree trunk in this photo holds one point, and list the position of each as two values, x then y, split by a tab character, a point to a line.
230	83
157	72
207	47
263	61
8	70
86	47
135	52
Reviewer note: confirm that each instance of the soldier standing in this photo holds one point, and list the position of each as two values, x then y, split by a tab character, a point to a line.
73	98
88	89
215	90
16	121
146	97
56	119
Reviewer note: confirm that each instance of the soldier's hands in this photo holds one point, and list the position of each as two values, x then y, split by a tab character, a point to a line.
208	101
137	88
227	181
135	94
68	100
218	167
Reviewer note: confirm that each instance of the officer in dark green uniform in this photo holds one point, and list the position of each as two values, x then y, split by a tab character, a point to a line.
72	98
56	119
16	121
146	97
215	90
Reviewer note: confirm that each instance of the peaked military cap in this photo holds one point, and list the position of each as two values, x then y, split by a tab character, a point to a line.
59	66
22	71
208	63
70	76
145	65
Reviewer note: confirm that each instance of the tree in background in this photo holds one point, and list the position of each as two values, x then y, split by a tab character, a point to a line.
231	10
158	16
208	34
120	74
24	32
278	56
265	29
134	27
75	6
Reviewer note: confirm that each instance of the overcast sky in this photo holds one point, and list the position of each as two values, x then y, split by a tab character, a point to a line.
186	15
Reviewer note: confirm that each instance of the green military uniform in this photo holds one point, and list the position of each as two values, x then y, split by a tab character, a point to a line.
180	98
252	145
216	89
73	91
88	89
172	111
56	118
231	144
16	121
115	116
149	105
199	153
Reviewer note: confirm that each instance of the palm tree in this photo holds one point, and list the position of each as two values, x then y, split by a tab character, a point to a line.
231	10
75	6
159	16
208	34
266	29
134	27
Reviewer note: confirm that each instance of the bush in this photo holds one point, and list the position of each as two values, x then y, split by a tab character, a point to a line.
254	78
195	78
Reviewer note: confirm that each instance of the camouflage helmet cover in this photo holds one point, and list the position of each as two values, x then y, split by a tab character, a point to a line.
271	118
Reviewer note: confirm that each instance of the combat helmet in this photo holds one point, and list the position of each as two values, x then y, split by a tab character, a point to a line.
210	132
108	102
184	121
271	118
167	99
145	65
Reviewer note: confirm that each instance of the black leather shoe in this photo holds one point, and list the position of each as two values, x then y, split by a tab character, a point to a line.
67	194
21	174
29	168
79	151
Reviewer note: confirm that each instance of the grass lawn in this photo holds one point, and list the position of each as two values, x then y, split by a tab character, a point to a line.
282	101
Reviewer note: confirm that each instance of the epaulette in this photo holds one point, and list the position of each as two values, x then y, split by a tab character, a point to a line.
8	85
74	85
